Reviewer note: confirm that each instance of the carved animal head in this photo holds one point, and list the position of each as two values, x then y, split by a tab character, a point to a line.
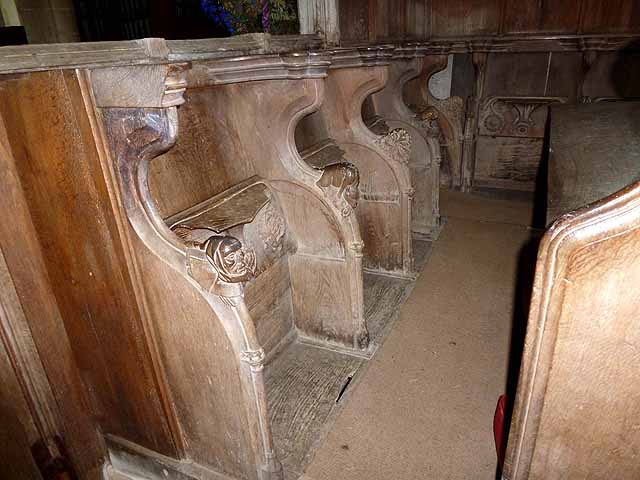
345	177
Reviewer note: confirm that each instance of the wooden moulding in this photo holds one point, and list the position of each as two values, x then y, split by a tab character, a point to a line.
146	51
197	300
425	159
384	210
578	395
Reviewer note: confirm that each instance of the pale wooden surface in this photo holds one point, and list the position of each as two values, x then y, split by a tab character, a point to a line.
578	397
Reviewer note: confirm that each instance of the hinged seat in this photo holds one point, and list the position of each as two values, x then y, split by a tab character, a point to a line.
235	206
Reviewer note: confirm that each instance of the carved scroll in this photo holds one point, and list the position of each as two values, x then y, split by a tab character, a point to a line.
515	116
396	144
340	181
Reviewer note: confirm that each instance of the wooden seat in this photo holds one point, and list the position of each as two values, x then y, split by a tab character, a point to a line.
384	210
237	205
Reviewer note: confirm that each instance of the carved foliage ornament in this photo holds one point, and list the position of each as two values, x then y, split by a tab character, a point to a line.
341	181
515	115
396	144
271	228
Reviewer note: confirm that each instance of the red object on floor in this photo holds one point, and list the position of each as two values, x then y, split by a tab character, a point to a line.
499	431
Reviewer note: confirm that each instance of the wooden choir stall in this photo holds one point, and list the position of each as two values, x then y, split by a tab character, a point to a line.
205	240
185	265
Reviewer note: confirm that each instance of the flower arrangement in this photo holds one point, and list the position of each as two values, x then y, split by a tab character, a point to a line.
246	16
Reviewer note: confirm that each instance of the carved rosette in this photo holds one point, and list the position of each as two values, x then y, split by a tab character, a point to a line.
340	183
396	144
271	228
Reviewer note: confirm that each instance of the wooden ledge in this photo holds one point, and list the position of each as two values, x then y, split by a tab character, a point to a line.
294	66
362	56
235	206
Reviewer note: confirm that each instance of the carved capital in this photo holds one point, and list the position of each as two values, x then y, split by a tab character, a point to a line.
396	144
357	248
340	182
255	358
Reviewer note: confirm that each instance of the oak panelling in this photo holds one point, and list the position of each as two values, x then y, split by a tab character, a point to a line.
418	19
396	15
17	429
538	16
318	306
565	75
379	20
595	150
268	298
56	159
611	16
354	21
26	265
465	17
516	74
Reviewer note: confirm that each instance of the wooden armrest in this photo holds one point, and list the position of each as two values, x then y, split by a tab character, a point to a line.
323	153
235	206
377	125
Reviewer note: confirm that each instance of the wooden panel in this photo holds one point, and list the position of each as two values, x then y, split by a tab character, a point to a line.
578	396
612	16
26	266
516	74
565	75
56	161
318	306
396	15
268	298
466	17
301	373
418	20
504	162
16	425
354	21
536	16
595	151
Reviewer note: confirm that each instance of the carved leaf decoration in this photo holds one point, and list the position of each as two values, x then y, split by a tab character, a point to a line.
396	144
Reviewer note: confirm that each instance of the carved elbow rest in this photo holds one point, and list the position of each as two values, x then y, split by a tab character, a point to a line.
344	178
340	180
